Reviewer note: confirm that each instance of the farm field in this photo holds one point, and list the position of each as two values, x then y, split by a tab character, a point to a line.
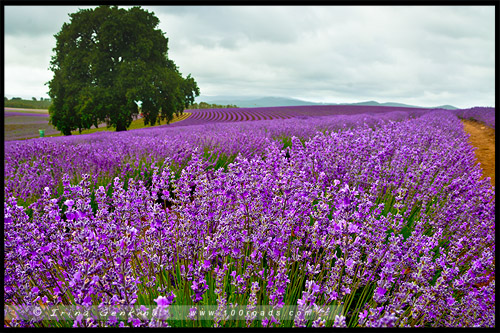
307	216
25	123
202	116
20	124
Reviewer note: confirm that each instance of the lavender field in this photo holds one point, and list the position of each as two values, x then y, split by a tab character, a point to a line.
203	116
484	115
374	218
22	123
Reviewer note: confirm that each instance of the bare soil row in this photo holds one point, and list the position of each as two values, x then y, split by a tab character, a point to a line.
483	138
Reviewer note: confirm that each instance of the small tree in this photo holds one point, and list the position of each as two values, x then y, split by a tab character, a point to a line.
106	61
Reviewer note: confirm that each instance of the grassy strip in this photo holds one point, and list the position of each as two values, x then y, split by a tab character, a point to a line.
136	124
27	104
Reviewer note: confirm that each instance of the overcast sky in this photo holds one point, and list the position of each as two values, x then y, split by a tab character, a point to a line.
425	56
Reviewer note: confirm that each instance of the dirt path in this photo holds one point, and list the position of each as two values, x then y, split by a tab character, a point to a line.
483	138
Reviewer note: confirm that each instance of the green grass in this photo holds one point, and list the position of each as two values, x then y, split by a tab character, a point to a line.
28	111
136	124
27	104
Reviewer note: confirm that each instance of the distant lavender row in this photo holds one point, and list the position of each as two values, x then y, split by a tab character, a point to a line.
33	164
285	112
482	114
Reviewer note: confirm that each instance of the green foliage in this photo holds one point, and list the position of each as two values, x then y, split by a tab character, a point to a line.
26	104
203	105
108	60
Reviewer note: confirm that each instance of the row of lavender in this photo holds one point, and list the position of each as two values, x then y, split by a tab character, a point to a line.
200	116
34	164
388	223
485	115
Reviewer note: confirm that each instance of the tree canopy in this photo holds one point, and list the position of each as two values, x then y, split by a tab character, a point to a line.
107	62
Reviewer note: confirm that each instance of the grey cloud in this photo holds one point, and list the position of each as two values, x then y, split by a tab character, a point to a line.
215	26
461	22
36	20
420	55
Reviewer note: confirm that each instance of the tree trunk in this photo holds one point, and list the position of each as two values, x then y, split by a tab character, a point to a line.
120	127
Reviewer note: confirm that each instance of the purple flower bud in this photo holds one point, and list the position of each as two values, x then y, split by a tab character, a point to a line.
162	301
379	294
87	301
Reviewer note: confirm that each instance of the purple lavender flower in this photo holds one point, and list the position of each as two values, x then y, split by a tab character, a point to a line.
379	294
69	203
192	313
163	301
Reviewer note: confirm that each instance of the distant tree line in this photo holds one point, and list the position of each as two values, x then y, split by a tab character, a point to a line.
44	103
203	105
18	102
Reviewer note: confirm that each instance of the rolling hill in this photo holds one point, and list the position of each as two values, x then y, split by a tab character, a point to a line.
256	101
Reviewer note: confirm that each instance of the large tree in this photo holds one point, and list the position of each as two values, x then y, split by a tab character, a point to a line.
107	62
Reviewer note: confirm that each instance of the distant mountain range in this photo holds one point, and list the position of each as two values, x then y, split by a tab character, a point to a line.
255	101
